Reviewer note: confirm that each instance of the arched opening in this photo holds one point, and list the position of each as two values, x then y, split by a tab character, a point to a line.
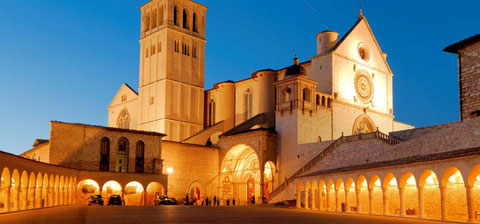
429	191
323	100
315	195
123	120
322	195
194	21
122	155
340	196
331	200
241	173
160	16
140	157
154	18
306	94
350	195
269	179
154	190
363	198
51	191
133	193
175	16
38	191
85	189
363	124
287	95
474	183
185	19
329	103
317	100
147	22
104	154
308	195
390	188
111	188
45	191
23	190
408	188
61	185
300	195
32	184
247	104
455	195
195	190
5	185
376	203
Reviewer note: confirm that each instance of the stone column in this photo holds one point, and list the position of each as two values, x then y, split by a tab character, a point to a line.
470	204
6	198
320	200
370	200
38	197
31	197
357	195
385	201
306	198
420	202
401	191
328	200
262	185
51	196
443	202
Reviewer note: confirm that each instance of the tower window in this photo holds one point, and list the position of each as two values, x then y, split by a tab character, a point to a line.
147	22
247	104
194	21
287	94
152	100
146	52
152	50
194	52
159	47
176	47
185	19
160	16
124	98
175	16
306	94
154	18
211	113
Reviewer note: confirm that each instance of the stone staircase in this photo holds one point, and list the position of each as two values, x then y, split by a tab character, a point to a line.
343	139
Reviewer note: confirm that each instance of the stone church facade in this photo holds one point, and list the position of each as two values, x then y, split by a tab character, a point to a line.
320	133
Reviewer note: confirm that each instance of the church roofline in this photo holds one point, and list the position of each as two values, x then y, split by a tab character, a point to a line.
453	48
113	129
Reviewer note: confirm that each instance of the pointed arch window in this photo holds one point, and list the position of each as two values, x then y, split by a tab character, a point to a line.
194	20
185	19
247	104
140	157
211	113
123	120
175	16
122	155
104	154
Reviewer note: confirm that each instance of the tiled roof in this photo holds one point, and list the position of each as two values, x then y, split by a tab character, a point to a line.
461	44
116	129
40	141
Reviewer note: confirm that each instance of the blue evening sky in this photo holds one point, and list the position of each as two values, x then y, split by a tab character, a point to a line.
65	59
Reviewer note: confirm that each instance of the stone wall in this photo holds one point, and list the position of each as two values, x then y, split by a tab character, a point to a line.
469	79
190	165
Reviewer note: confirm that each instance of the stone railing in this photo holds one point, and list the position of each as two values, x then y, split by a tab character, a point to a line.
343	139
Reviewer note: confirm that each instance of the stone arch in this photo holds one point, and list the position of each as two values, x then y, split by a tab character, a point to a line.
363	201
15	188
322	189
51	191
287	94
196	191
300	194
44	196
314	195
376	194
306	94
134	193
363	124
409	192
110	188
269	178
32	184
350	195
429	195
474	184
391	194
5	186
85	189
38	191
153	190
123	154
61	188
23	190
340	194
331	196
308	197
241	167
455	196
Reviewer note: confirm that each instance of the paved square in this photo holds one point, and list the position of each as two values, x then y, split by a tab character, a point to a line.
186	214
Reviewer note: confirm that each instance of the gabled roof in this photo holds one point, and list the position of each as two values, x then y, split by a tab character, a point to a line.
463	43
360	19
40	141
124	86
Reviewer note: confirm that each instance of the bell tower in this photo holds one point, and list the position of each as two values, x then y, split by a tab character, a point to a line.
172	61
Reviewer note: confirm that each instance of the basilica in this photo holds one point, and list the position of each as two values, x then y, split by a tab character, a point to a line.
319	134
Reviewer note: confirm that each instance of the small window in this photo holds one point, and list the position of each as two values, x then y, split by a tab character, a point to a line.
363	52
152	50
194	52
194	20
323	100
247	104
152	100
146	52
185	19
306	94
159	47
124	98
287	95
329	103
175	16
317	100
